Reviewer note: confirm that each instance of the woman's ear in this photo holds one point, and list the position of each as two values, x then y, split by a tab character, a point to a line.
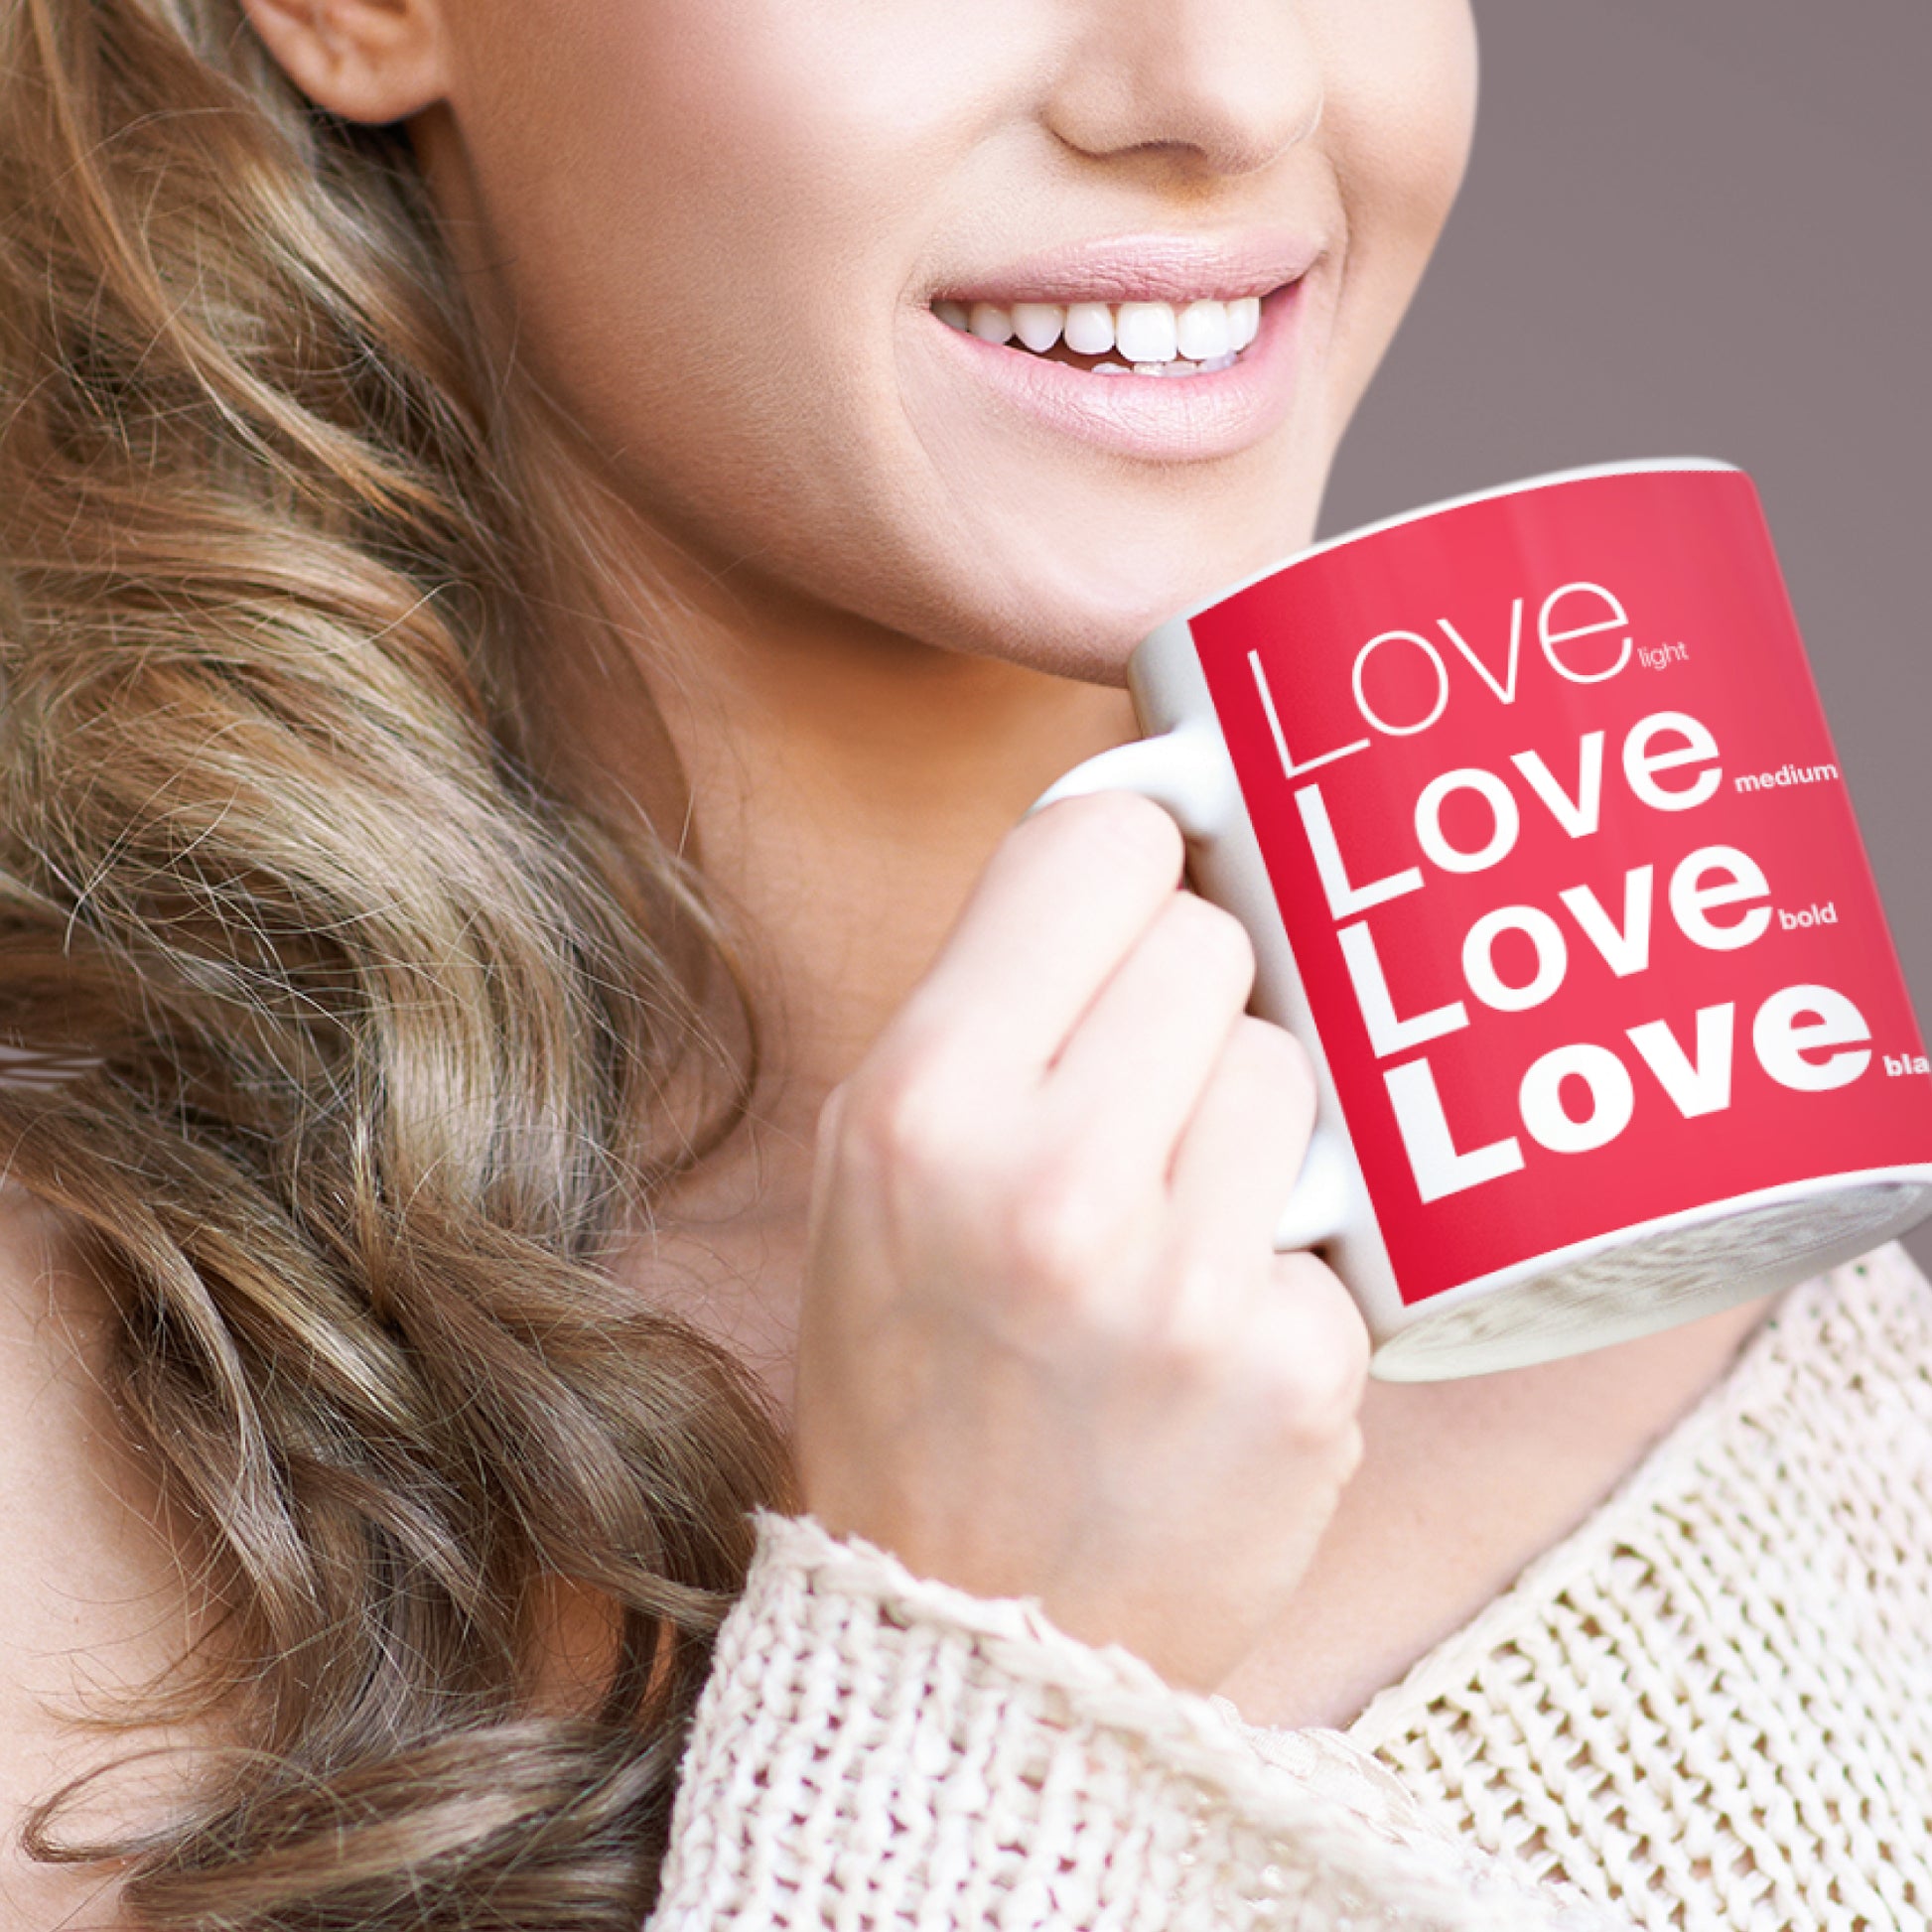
371	61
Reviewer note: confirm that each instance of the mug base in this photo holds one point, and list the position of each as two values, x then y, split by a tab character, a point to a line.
1654	1281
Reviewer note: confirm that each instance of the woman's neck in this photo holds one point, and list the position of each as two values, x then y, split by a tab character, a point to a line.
846	785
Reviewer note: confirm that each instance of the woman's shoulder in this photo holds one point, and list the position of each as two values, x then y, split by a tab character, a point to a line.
97	1600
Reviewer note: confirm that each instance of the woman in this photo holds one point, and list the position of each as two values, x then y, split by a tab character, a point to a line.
536	596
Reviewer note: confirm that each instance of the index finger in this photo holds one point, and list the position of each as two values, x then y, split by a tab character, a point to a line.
1061	902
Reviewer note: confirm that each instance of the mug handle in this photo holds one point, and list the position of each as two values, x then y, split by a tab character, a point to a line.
1186	770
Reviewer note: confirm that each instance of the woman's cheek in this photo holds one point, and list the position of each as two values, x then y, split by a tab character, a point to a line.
1401	114
1398	126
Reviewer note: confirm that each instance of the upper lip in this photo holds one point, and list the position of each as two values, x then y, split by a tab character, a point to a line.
1145	268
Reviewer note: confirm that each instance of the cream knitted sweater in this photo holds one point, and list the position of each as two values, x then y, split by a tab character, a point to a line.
1708	1707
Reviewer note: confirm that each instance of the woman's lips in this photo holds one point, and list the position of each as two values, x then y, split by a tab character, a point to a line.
1148	268
1163	418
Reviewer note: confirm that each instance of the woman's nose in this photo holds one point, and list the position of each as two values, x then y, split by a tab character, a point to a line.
1226	84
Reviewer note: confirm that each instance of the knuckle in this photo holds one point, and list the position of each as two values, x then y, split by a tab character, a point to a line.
1216	940
1126	826
1281	1068
1059	1232
1198	1346
1320	1400
831	1111
1353	1446
1283	1057
1320	1376
829	1128
902	1116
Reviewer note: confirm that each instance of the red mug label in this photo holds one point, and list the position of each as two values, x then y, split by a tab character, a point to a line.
1567	864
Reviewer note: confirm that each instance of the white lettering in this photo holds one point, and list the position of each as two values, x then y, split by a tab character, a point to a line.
1502	806
1438	1167
1345	899
1700	1087
1289	770
1641	763
1803	1019
1506	692
1612	1099
1441	683
1579	816
1387	1034
1479	958
1626	949
1740	880
1550	639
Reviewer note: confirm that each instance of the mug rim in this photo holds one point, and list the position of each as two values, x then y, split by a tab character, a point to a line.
1910	1174
1583	472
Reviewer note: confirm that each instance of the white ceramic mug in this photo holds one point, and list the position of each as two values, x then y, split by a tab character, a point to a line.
1529	806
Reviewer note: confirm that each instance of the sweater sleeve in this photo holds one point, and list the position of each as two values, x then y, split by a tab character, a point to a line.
877	1751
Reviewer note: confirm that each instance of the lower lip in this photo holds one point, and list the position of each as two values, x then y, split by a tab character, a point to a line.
1159	418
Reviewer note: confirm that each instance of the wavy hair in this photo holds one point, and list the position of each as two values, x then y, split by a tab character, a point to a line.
391	1017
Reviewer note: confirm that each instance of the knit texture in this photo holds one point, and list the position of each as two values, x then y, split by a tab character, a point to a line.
877	1751
1710	1707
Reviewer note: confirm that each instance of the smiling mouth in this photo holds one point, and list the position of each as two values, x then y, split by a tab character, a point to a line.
1165	338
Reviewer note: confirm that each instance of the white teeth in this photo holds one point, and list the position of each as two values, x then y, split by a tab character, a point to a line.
1038	324
1090	328
1205	335
1144	332
1179	367
1204	328
990	324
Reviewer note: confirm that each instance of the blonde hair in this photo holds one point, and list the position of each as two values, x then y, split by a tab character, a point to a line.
395	1020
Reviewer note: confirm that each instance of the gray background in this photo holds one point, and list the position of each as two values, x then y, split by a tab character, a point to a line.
1700	227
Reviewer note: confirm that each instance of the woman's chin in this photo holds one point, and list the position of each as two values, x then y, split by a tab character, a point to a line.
1092	647
1086	625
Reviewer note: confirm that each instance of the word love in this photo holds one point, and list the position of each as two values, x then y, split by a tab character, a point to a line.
1582	1095
1711	877
1576	807
1415	675
1789	1033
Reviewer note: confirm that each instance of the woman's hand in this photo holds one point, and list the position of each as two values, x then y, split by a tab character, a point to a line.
1047	1349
